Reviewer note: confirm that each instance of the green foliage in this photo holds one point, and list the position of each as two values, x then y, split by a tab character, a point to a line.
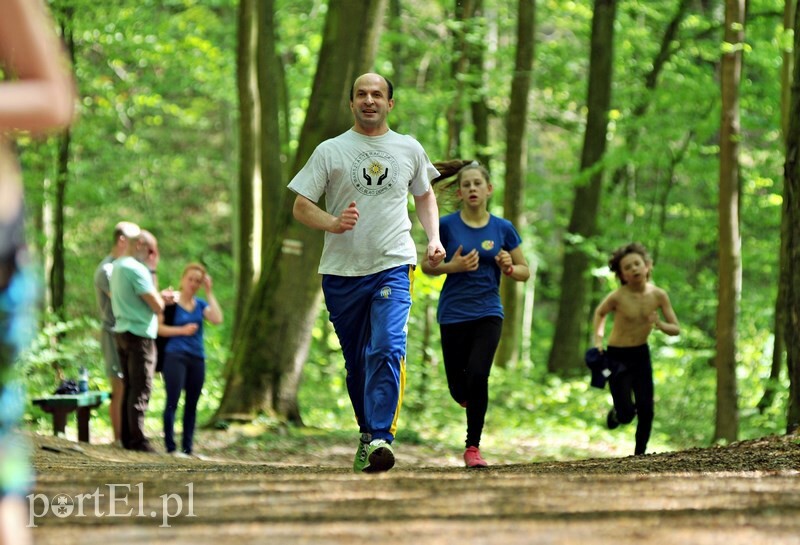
60	349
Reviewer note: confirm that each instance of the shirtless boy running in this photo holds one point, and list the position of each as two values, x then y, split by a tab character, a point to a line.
635	305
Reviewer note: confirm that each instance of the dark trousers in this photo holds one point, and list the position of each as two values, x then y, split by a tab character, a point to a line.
468	349
631	385
182	372
137	358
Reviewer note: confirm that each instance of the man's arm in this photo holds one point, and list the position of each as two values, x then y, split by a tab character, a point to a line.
308	213
428	214
102	280
154	301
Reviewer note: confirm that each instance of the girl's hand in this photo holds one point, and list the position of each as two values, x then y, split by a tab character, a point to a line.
190	329
465	263
504	261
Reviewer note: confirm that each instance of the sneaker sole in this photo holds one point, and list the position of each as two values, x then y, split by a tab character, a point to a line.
381	459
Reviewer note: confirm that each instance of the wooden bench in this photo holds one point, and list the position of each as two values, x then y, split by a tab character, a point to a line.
61	405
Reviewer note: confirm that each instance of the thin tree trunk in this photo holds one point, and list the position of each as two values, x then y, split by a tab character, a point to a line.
730	266
778	346
249	132
58	270
661	205
566	354
270	84
787	70
624	175
478	106
464	10
791	210
57	273
516	160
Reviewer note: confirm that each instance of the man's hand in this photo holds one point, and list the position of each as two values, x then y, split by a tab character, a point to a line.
347	219
435	252
151	261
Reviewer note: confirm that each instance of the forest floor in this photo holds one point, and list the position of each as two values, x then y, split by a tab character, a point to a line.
745	493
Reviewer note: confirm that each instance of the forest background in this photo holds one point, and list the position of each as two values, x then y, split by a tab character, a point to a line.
159	142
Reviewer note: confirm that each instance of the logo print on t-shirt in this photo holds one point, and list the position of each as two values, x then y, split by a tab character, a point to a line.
487	245
374	172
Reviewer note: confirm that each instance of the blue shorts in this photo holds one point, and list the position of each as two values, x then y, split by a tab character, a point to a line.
370	315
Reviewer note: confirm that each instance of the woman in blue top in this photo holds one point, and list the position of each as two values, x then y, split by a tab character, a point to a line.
470	314
184	356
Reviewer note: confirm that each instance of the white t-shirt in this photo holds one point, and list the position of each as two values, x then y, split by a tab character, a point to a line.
378	173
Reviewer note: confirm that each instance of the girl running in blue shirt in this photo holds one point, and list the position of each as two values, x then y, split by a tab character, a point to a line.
470	314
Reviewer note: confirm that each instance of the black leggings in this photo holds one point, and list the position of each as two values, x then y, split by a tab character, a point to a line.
468	349
632	373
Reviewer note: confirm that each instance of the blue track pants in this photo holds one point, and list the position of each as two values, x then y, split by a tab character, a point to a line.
370	315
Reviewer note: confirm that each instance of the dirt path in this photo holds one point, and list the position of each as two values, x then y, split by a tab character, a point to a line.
748	493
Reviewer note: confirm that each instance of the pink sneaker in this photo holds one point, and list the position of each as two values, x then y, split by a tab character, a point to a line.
472	458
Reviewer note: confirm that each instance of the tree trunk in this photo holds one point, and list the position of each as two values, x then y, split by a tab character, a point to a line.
787	72
730	265
270	347
478	106
58	268
249	133
778	346
57	274
464	11
791	211
566	354
270	84
514	195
